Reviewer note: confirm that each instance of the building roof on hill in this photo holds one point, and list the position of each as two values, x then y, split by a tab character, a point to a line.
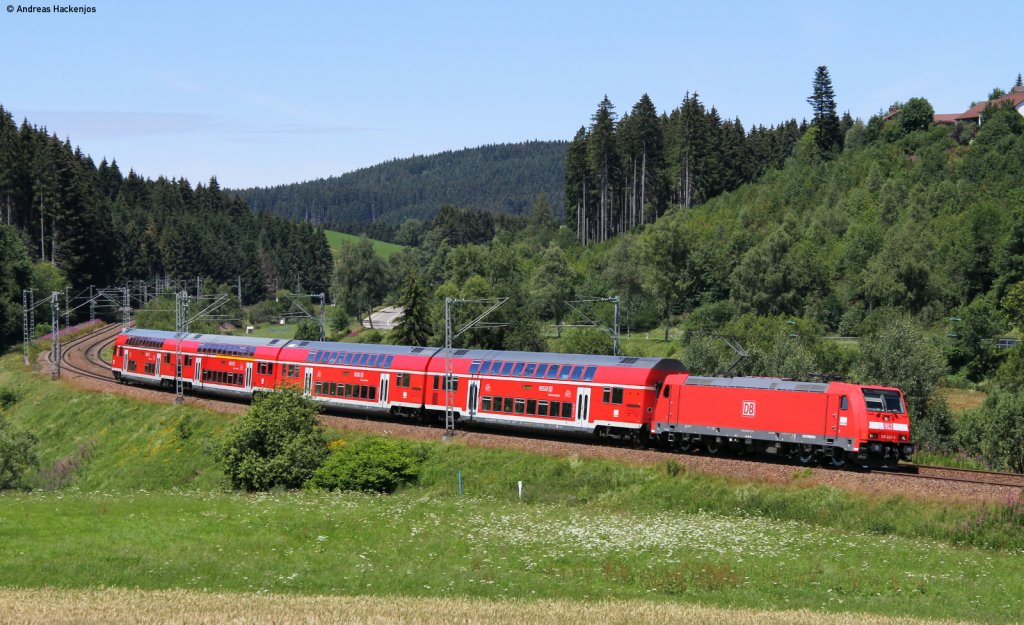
1016	96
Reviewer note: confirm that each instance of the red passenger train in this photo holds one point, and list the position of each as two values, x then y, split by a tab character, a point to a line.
641	399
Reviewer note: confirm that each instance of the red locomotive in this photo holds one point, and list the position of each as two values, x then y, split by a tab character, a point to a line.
642	399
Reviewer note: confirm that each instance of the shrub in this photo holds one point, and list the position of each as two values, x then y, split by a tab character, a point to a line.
370	464
371	336
17	455
276	443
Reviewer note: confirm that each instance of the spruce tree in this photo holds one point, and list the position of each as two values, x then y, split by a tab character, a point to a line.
414	326
823	103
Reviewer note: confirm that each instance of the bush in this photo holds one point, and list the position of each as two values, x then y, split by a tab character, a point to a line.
370	464
276	443
17	455
995	431
371	336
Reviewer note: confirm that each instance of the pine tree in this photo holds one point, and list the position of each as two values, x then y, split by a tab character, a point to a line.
603	160
414	326
1018	83
823	103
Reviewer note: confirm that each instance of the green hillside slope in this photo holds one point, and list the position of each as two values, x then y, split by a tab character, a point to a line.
497	178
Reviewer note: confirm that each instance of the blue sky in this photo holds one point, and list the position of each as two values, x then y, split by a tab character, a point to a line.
264	93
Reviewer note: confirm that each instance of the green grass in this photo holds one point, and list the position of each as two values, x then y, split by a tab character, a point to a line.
106	441
337	239
414	544
145	507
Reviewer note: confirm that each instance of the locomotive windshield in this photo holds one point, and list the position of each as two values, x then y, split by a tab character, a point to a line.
883	401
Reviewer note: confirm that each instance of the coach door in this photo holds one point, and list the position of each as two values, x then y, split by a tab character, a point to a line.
473	399
307	386
385	390
582	406
197	378
248	376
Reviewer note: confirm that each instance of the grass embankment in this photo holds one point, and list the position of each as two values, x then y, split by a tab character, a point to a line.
583	531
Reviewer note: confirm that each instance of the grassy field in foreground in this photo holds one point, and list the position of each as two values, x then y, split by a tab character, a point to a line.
130	607
131	496
479	547
337	239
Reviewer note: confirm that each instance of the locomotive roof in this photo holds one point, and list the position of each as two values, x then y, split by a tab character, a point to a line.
777	384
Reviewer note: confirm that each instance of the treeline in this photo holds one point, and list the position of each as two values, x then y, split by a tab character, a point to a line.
92	225
623	172
375	200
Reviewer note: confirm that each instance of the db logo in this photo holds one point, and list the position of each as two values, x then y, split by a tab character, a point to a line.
749	408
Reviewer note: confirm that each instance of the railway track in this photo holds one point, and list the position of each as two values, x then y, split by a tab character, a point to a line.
81	357
968	476
90	346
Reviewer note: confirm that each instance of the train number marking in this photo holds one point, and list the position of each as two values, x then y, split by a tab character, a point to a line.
749	408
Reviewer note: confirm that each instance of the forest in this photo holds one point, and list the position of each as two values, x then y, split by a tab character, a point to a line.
890	252
67	222
376	200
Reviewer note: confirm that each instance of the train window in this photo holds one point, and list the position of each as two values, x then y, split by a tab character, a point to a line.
606	395
332	388
542	408
577	374
363	392
474	367
131	365
541	369
167	358
883	401
497	404
531	406
517	370
588	375
554	408
188	361
485	403
270	368
844	403
617	395
506	368
520	406
530	368
373	392
508	404
552	372
665	393
566	410
318	389
150	368
563	374
387	361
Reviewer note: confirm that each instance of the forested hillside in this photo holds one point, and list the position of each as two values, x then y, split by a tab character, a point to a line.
906	235
624	172
496	178
66	221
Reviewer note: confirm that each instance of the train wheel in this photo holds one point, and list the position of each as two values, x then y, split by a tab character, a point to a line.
712	446
685	445
806	455
838	459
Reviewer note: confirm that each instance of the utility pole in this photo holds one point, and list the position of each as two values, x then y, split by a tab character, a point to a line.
449	338
24	320
55	348
323	318
592	320
181	329
67	309
92	305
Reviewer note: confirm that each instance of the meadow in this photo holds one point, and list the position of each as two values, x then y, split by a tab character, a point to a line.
130	496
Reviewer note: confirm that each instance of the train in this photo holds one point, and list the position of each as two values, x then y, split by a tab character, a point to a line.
645	401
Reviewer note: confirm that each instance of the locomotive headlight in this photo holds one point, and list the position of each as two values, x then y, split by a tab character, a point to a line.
873	435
